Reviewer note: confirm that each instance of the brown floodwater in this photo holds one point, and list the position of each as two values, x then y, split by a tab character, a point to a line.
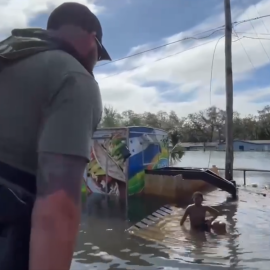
105	243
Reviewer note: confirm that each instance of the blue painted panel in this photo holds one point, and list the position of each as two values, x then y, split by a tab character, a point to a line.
143	153
149	149
136	162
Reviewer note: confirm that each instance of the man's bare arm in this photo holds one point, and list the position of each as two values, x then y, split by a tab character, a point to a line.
184	216
56	213
213	212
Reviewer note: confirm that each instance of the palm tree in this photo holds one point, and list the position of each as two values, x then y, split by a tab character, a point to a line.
177	151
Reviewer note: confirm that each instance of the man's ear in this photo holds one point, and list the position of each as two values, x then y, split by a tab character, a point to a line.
92	39
93	35
81	40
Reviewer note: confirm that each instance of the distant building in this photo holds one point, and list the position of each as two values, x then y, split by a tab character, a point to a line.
200	146
242	145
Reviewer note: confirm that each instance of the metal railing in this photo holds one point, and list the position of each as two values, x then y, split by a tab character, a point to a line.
244	170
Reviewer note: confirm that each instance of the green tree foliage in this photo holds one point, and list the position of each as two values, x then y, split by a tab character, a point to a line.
177	151
203	126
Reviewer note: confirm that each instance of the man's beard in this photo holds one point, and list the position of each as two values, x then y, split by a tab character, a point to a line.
91	60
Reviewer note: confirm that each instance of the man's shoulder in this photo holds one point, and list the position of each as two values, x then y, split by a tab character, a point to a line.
62	68
190	206
59	62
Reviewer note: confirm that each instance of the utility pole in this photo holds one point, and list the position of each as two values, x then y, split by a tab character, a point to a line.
229	91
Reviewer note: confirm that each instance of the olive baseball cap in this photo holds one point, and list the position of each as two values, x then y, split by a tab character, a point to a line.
78	15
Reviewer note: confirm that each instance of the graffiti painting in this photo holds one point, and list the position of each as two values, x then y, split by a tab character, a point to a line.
125	154
106	154
149	150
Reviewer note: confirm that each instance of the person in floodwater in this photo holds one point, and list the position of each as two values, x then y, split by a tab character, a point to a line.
197	215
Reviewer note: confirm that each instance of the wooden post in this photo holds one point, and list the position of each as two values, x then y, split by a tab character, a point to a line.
229	91
107	175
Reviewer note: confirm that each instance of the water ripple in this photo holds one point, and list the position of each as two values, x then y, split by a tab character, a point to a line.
103	243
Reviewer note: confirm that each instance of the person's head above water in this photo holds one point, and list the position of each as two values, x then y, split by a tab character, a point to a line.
77	25
197	198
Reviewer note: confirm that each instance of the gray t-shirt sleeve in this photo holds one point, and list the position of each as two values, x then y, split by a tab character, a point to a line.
72	115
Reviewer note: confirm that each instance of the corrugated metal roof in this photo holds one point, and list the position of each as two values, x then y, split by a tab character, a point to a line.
259	141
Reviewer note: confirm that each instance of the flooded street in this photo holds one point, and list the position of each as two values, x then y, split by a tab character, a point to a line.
104	242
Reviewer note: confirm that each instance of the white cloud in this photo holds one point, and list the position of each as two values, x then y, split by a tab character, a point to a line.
191	69
17	13
129	96
187	71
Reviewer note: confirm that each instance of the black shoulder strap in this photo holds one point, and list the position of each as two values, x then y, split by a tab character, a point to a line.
18	177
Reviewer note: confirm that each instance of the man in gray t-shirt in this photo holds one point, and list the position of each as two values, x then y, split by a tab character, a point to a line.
50	105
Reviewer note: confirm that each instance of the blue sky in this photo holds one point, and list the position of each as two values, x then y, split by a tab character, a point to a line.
128	23
181	82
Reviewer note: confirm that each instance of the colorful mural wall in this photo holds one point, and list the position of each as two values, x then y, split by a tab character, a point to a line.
126	153
107	152
149	150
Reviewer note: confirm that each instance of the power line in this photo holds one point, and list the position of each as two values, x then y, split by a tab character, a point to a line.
187	38
260	40
212	64
165	45
262	34
236	33
212	60
243	47
163	58
262	19
255	69
251	19
211	78
159	59
248	57
212	67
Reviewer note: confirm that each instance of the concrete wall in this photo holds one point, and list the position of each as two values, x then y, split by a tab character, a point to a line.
172	187
246	146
